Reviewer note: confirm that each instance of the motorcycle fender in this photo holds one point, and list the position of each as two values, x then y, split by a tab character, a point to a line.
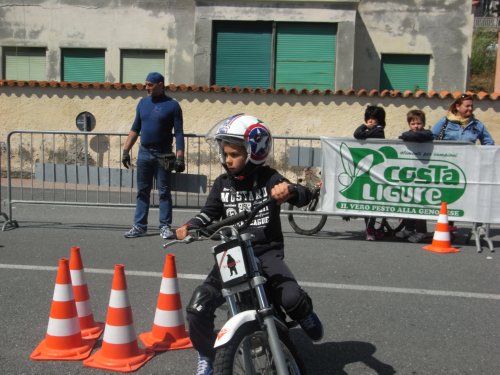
232	325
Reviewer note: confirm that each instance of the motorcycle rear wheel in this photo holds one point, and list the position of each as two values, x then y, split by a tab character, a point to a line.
230	359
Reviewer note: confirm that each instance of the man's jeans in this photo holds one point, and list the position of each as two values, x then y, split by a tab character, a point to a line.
147	168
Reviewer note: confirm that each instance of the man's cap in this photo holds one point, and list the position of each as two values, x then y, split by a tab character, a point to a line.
155	77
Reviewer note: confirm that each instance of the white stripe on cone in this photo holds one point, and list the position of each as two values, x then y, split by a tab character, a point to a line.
119	334
63	327
442	236
63	293
119	299
83	308
442	218
165	318
77	278
169	286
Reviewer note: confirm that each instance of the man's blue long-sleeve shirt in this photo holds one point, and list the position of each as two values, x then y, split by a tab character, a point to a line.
155	119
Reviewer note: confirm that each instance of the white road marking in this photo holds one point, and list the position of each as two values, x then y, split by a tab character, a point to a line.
362	288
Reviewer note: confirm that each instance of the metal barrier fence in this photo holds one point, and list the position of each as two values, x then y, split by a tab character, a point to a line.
492	23
3	149
83	168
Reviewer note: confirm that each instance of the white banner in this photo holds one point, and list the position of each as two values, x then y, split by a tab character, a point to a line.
387	178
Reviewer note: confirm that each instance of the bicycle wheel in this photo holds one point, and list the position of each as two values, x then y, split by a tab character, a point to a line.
388	226
250	348
304	223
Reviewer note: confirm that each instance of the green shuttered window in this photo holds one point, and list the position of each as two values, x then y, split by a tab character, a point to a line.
305	56
136	64
83	65
404	72
243	53
266	54
24	64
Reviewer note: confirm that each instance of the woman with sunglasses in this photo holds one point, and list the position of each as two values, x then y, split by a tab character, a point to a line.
459	124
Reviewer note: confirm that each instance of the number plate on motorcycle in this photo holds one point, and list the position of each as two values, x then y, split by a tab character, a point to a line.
230	260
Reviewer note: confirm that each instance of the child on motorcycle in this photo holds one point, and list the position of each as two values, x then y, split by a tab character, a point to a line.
244	143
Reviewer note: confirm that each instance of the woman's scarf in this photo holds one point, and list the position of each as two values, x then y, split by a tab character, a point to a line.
463	121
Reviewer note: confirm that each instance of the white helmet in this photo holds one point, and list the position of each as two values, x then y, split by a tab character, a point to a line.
245	130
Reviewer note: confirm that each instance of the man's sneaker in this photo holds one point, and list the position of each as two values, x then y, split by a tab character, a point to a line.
204	366
312	326
403	234
416	237
166	232
134	232
370	235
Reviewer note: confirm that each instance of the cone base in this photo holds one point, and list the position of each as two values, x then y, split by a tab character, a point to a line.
439	249
93	332
158	345
44	353
120	365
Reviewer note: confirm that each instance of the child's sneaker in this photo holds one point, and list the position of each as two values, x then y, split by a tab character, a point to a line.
134	232
312	326
204	366
370	234
403	234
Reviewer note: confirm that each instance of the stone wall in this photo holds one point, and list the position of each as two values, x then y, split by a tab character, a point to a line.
47	108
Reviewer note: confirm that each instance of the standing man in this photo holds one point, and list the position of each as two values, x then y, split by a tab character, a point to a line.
158	118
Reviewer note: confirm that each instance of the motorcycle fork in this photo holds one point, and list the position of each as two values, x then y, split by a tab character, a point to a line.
265	312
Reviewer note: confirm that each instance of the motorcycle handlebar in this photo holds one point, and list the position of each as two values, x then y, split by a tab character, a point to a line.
245	216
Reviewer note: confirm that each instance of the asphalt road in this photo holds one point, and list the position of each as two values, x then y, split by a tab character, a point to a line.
388	307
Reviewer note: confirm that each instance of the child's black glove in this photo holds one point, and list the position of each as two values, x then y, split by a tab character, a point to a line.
179	165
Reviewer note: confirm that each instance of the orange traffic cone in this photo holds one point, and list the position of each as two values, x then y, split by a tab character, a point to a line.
90	328
119	350
441	242
168	331
63	340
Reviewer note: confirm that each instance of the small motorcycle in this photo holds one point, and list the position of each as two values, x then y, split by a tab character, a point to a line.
255	339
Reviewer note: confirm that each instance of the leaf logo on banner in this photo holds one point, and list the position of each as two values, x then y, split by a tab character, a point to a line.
352	168
372	175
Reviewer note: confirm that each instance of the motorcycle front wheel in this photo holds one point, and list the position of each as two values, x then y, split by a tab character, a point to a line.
249	352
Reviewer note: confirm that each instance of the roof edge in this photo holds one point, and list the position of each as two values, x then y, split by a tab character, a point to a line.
481	95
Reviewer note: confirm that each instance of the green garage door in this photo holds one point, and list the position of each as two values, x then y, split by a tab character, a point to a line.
305	55
136	64
25	64
404	72
243	54
83	65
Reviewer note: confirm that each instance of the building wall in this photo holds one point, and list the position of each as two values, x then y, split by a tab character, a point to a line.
322	11
183	28
47	108
441	29
127	24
